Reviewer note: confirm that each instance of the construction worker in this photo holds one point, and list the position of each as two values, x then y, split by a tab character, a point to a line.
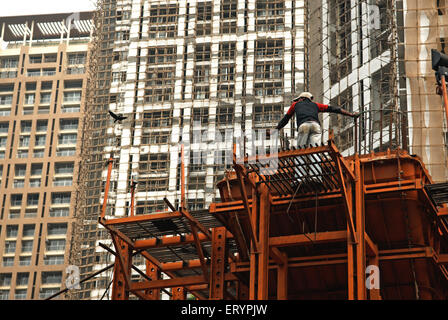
307	118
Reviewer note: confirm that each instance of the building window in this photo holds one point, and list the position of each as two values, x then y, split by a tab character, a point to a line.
225	115
22	279
36	169
4	126
25	261
67	138
29	98
47	292
202	52
5	100
8	261
20	294
228	22
163	21
203	18
269	49
27	246
60	198
5	279
68	124
32	199
72	96
64	168
62	182
45	98
55	245
76	58
270	15
267	113
57	229
51	277
16	200
25	126
12	231
59	212
157	119
10	247
40	140
28	230
9	62
53	260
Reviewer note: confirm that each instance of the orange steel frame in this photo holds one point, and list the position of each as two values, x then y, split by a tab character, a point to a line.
262	269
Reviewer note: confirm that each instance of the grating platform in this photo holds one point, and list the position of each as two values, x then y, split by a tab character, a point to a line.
157	225
186	252
301	170
438	192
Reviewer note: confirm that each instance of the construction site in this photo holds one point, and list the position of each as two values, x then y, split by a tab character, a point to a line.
182	195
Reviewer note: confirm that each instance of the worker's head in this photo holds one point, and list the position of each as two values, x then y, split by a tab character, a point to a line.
304	95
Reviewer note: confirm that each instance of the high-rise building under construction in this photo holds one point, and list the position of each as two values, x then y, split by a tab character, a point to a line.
42	94
374	57
190	72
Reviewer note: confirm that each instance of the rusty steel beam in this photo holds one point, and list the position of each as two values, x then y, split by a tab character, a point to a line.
143	218
360	232
175	282
302	239
196	223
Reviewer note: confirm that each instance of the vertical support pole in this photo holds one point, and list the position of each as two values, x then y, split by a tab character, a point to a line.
182	177
445	99
263	240
350	247
253	253
282	279
153	272
218	263
178	293
106	190
122	270
133	184
360	230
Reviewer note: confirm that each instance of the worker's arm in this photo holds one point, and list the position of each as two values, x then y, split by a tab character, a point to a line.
339	110
287	117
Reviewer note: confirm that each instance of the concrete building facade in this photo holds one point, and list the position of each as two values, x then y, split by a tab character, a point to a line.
197	73
42	100
374	57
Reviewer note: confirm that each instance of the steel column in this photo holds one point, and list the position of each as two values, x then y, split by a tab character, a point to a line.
360	231
122	270
263	238
153	272
218	263
178	293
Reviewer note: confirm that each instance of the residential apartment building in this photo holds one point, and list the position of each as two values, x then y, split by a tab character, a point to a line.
42	88
374	57
196	73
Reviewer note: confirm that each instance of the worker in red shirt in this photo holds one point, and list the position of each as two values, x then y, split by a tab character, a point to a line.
307	116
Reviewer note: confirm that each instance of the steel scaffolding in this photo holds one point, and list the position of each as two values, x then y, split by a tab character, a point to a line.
266	240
